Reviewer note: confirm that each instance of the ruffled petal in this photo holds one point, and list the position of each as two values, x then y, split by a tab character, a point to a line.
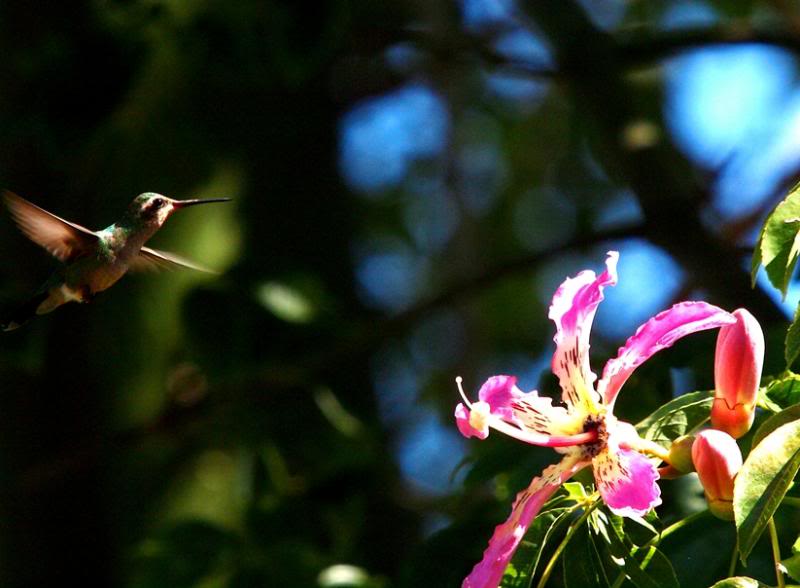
489	571
626	480
658	333
499	392
572	310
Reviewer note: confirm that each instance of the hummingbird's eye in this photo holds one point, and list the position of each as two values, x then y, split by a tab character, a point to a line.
158	203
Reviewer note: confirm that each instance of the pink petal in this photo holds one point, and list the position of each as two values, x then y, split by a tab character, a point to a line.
465	427
572	310
507	536
537	414
658	333
476	420
532	418
499	392
527	410
626	480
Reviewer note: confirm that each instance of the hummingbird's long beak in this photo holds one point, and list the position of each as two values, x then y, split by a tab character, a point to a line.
185	203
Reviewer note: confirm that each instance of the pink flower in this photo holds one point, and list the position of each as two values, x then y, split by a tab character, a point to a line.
717	459
584	429
737	373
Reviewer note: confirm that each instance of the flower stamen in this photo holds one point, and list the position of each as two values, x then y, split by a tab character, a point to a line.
459	379
480	415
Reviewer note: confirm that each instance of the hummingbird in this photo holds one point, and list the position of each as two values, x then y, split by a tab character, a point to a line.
93	261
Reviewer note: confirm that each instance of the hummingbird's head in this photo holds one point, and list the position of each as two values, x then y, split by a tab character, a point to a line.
155	209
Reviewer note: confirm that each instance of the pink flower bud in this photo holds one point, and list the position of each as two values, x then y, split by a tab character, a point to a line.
737	373
717	459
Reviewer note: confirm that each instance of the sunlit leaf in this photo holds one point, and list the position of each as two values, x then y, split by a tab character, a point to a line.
792	564
785	416
513	577
575	491
763	481
739	582
777	247
676	417
785	390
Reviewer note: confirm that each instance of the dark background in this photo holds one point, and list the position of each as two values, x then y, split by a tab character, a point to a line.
411	181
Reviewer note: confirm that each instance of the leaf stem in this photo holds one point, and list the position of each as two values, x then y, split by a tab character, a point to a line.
734	558
649	447
791	501
776	552
618	582
676	526
551	564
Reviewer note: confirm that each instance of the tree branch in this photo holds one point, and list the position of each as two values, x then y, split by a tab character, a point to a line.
659	175
642	47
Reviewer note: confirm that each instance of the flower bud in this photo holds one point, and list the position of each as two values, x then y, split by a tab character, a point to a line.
717	460
737	373
680	454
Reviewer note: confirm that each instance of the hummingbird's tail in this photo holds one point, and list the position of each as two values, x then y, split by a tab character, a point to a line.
25	312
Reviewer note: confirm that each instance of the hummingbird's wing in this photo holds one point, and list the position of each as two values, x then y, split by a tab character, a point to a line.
153	259
63	239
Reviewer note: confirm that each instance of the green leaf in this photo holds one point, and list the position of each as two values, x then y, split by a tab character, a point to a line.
641	532
657	566
576	491
765	402
778	244
677	417
645	567
529	553
784	391
792	344
583	567
739	582
762	483
785	416
792	565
